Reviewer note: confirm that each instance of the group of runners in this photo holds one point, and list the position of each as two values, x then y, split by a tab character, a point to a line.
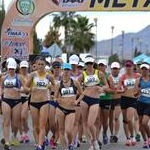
71	102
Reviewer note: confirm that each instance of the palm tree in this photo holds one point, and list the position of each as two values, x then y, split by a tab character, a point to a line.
53	36
82	38
64	19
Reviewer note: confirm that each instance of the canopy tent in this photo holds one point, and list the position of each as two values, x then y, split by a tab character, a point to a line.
52	51
141	58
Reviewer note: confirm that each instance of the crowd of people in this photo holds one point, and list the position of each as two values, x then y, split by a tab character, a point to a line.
75	102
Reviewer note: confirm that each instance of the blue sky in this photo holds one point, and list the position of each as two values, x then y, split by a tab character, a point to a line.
127	21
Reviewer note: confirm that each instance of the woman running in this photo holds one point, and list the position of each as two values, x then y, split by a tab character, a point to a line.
56	71
115	111
66	96
25	99
105	102
75	74
143	104
39	82
11	103
90	103
128	101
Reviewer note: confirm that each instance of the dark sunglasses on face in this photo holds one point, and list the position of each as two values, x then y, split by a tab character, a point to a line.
89	63
128	66
67	69
102	65
57	67
144	68
115	68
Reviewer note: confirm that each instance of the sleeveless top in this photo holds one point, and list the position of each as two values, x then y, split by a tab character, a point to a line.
68	91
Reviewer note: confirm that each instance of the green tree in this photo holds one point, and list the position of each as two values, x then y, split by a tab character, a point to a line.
64	19
114	58
2	16
36	44
82	39
53	36
136	52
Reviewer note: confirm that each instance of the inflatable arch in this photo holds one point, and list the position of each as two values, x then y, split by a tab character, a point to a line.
23	15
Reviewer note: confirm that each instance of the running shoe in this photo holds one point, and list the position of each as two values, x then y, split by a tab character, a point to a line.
149	142
78	143
71	147
43	146
22	140
91	147
54	146
39	148
115	139
14	142
26	138
138	137
83	139
100	144
105	139
52	140
111	139
133	141
7	147
96	145
3	141
46	141
128	142
145	144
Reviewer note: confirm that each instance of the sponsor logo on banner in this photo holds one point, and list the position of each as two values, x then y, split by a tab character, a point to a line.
25	7
67	3
17	49
23	22
15	33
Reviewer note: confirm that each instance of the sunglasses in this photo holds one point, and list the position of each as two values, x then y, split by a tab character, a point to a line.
56	67
89	63
11	69
67	69
115	68
102	65
129	66
144	68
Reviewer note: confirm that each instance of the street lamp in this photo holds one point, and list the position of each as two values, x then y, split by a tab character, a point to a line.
112	32
96	20
132	42
122	44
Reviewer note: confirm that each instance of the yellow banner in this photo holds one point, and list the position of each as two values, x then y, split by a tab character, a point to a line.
119	5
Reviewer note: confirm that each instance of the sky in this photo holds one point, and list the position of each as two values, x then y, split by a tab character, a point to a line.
122	21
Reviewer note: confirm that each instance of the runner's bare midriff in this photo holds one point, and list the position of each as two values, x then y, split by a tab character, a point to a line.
92	91
129	93
39	95
68	102
11	93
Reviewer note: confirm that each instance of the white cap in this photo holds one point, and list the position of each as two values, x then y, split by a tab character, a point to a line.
74	59
145	66
47	68
10	59
12	65
115	65
81	64
88	59
102	61
24	64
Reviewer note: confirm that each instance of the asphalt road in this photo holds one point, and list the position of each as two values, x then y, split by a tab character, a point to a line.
119	146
